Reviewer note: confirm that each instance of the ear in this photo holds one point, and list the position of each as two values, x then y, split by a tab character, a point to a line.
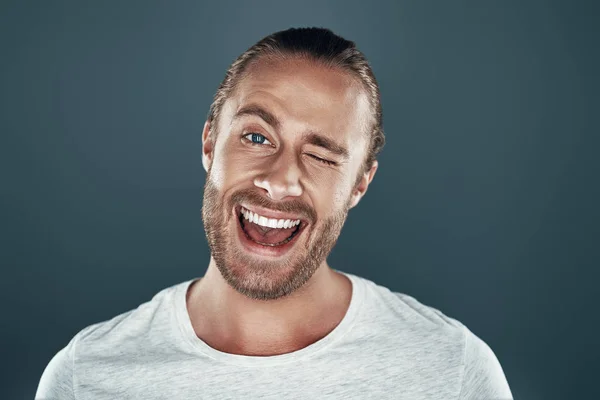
360	189
207	147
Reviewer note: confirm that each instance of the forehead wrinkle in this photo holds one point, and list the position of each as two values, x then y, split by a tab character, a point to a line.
337	80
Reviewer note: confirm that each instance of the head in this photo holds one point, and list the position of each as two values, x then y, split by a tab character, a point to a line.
293	133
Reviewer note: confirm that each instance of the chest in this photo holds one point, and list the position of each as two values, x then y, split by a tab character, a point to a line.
377	377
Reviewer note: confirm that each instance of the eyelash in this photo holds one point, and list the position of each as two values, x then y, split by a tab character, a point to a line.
327	162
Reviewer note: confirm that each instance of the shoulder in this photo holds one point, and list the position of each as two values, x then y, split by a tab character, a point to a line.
483	376
120	334
432	332
125	330
407	311
411	329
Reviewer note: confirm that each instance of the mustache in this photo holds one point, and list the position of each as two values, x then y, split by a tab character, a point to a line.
249	196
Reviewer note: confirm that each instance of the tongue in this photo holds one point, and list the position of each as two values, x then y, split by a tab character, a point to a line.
267	235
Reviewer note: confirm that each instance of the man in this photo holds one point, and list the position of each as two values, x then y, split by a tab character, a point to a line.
289	146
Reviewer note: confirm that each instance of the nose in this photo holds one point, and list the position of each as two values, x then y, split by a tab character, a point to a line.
281	180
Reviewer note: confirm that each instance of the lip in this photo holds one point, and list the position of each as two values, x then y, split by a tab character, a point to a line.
265	251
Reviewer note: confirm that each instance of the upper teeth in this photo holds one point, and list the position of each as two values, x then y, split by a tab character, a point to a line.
269	222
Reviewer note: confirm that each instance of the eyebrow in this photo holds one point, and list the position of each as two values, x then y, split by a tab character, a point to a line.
310	137
256	110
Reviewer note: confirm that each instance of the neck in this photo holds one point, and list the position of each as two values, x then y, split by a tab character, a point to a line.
231	322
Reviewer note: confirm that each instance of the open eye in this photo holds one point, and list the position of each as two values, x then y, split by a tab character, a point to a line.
257	139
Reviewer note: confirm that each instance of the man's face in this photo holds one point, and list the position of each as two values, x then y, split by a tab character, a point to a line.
281	173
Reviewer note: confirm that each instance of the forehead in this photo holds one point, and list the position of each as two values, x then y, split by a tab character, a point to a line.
306	95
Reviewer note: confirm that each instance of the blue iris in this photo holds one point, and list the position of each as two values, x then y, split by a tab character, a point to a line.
258	138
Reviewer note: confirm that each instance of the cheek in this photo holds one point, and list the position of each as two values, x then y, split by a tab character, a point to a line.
330	199
230	166
341	197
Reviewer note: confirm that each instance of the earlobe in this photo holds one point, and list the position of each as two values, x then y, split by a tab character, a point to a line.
207	147
355	199
359	191
363	185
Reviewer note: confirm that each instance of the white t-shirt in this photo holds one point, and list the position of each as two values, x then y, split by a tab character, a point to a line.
387	346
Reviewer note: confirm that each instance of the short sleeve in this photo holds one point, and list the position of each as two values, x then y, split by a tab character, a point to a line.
483	377
57	379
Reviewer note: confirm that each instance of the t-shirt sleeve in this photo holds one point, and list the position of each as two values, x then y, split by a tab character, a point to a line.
483	377
57	379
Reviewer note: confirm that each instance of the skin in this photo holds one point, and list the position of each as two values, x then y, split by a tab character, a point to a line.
251	304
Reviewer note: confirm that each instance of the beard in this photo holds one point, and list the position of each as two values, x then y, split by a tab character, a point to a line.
251	275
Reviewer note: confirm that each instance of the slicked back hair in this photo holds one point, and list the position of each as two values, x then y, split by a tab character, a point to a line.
316	44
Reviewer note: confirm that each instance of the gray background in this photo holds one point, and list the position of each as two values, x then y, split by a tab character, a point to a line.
485	204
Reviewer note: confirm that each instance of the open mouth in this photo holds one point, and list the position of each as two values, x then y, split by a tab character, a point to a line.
268	232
